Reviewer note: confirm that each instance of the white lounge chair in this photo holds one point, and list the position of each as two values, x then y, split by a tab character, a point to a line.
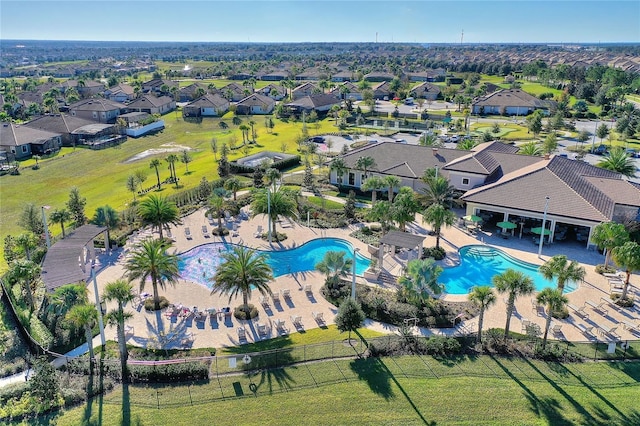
578	310
587	330
318	316
609	330
597	307
276	297
307	289
525	323
296	320
258	233
556	328
264	301
286	293
262	329
205	231
187	233
281	327
242	335
627	325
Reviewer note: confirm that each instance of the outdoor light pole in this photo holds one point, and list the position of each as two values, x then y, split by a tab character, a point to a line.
95	290
544	223
353	283
269	213
46	228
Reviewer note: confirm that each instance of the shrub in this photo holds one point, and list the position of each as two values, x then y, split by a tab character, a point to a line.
605	269
437	253
627	302
443	346
245	312
149	305
40	332
188	371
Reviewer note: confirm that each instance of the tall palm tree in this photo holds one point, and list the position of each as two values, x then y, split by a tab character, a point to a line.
155	163
627	256
234	185
60	216
245	130
27	241
373	184
381	212
217	203
334	265
483	297
555	301
421	280
150	260
515	284
404	207
272	175
340	168
619	161
438	216
563	270
158	212
172	159
85	316
608	235
365	164
25	272
67	296
121	292
281	202
438	190
392	182
242	270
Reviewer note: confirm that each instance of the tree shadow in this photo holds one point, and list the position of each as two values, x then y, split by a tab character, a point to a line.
372	371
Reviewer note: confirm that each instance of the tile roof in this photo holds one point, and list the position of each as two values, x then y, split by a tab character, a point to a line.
315	101
152	101
59	123
257	99
511	97
96	104
16	135
208	100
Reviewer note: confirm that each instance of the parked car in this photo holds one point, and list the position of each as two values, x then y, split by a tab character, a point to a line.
317	139
454	139
632	153
599	150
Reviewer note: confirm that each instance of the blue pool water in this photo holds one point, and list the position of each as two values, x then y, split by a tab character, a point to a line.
200	263
479	264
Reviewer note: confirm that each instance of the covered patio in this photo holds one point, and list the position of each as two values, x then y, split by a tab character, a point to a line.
411	244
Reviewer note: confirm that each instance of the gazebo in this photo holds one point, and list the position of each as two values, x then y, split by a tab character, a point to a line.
400	239
66	261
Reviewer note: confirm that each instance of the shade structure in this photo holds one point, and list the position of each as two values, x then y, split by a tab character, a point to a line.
539	230
507	225
472	218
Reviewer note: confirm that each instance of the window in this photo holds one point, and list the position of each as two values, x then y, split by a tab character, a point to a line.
95	114
24	149
465	181
352	179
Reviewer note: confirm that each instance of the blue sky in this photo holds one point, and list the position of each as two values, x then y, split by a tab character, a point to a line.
422	21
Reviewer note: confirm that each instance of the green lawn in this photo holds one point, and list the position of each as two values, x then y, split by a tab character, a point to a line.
395	391
101	175
324	203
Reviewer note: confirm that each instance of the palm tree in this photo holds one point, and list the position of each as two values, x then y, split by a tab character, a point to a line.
392	182
404	207
245	130
531	149
60	216
373	184
438	216
340	168
334	265
150	259
438	189
242	270
27	242
171	159
365	163
25	272
555	301
627	256
85	316
234	185
65	297
158	212
185	158
217	203
483	297
155	163
272	175
515	284
281	202
421	280
121	292
607	236
381	212
563	270
619	161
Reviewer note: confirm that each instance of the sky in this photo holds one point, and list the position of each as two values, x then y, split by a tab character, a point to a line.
424	21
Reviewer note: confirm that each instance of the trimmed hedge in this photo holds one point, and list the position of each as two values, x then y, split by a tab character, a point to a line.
189	371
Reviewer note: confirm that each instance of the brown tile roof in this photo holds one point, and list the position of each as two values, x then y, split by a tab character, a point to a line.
511	97
96	104
58	123
257	99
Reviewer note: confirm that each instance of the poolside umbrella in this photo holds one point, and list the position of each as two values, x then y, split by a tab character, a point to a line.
539	231
507	225
472	218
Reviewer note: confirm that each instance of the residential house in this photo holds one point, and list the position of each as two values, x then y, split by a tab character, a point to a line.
275	76
274	91
305	89
425	90
73	130
194	91
98	109
428	75
120	93
209	105
381	90
152	104
156	86
233	92
309	75
255	104
342	76
18	142
509	102
347	90
379	76
320	102
85	88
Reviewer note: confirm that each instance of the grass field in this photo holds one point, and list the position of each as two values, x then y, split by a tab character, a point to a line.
396	391
101	175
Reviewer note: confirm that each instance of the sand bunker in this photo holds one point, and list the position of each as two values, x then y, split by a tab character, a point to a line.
166	148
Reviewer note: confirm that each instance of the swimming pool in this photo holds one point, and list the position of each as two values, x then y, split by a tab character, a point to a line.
479	264
200	263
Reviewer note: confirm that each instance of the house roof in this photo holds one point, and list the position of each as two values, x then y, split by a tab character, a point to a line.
16	135
315	101
91	129
269	87
511	98
121	88
305	86
209	100
58	123
257	100
426	87
576	189
97	104
402	239
150	101
352	88
234	87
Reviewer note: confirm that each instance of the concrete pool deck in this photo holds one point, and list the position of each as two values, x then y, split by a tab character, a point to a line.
157	329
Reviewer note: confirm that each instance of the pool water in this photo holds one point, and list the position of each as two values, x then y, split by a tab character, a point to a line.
479	264
200	263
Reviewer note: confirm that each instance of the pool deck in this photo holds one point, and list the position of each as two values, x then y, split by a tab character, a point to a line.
158	330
